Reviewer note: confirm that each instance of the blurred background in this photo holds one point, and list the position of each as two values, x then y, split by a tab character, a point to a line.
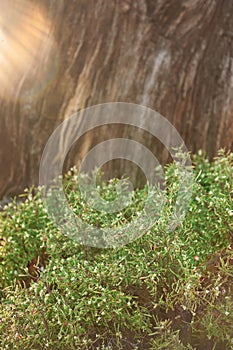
58	57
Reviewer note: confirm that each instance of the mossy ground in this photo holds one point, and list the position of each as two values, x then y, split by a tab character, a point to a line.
166	290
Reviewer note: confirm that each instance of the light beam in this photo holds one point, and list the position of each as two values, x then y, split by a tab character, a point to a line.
26	43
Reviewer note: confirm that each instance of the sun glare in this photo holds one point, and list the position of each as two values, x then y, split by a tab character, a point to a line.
25	42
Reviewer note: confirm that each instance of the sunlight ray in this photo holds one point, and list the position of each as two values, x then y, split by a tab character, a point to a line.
26	43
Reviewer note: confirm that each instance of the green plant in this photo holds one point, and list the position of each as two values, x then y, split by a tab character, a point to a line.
57	294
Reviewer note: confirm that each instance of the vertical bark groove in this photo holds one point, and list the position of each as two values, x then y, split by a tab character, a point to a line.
173	56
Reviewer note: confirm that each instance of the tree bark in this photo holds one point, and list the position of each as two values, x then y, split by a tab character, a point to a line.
175	57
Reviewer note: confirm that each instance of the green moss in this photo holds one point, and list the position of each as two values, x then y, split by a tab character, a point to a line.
166	290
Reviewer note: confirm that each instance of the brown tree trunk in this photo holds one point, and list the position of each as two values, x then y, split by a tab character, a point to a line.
173	56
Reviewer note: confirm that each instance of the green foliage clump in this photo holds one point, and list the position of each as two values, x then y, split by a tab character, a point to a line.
166	290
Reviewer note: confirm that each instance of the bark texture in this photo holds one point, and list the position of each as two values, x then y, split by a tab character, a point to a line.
174	56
